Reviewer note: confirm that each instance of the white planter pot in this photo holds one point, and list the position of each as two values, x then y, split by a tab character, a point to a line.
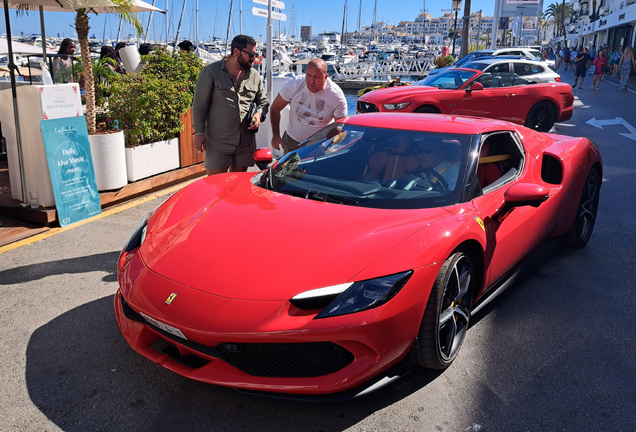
150	159
109	160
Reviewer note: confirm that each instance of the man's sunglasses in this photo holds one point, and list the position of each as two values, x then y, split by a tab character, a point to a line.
249	53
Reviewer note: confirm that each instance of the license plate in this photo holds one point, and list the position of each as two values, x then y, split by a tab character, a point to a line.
165	327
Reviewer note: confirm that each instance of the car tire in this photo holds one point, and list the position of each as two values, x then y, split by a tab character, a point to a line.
581	230
427	109
541	116
447	313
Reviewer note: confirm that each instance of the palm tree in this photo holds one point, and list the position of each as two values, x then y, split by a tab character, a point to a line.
81	26
559	13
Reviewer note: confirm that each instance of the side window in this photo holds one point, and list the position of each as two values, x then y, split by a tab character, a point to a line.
500	160
498	68
536	69
485	80
523	69
502	80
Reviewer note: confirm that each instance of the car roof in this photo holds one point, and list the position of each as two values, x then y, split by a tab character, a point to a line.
437	123
492	60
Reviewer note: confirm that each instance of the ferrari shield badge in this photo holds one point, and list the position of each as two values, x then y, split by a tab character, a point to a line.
170	298
479	221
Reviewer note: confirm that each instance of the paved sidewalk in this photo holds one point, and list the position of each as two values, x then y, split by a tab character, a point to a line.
631	81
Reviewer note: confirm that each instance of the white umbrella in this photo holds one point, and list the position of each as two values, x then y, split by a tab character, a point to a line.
18	48
96	6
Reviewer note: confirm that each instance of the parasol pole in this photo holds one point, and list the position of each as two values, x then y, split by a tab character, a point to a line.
16	116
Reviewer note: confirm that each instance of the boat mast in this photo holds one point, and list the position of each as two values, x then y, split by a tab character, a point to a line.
359	20
344	25
176	37
149	21
229	23
167	13
240	16
197	23
375	20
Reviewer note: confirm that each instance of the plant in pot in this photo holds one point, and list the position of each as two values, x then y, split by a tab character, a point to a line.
148	105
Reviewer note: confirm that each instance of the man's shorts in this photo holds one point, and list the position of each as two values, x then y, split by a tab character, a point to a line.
580	72
289	144
219	155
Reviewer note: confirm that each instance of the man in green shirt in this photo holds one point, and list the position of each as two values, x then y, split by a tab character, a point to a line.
223	97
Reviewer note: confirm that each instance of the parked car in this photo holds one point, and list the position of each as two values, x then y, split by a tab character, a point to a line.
364	251
498	95
532	70
523	52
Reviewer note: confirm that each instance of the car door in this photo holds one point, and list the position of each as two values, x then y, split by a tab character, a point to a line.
494	100
513	236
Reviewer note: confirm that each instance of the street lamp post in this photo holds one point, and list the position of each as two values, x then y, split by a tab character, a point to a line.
457	5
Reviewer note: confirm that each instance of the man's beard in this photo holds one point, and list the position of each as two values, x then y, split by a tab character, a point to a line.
245	65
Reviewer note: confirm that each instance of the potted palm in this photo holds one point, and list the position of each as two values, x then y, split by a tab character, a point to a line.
148	106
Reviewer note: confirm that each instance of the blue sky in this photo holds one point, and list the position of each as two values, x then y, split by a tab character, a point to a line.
213	17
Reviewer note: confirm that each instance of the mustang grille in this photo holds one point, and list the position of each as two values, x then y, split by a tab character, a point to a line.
367	107
279	360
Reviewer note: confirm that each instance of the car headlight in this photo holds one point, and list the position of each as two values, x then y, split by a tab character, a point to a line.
352	297
397	106
139	234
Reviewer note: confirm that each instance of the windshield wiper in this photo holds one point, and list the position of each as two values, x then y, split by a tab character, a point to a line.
321	196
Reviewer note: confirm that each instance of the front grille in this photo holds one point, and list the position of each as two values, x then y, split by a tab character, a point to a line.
275	360
366	107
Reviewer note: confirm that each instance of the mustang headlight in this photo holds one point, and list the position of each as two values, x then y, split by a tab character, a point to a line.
352	297
397	106
139	234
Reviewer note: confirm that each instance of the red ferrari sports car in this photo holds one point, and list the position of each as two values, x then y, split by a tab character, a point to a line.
367	249
498	95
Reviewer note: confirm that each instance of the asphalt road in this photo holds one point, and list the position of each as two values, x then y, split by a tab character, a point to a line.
556	352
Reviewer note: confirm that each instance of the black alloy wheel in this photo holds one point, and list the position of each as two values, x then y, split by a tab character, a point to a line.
447	313
541	117
583	225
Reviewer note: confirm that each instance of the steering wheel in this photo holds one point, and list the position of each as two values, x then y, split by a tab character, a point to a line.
438	181
411	182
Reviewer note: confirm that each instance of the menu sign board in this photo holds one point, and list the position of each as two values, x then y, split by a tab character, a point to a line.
68	154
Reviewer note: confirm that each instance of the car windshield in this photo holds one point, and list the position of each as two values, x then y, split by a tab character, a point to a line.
451	79
373	167
538	55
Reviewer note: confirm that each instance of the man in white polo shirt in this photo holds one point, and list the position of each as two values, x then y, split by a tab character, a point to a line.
315	101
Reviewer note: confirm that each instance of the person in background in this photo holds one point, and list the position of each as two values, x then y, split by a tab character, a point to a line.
226	94
600	61
109	52
119	46
617	59
626	66
145	49
186	46
582	62
573	55
592	54
315	101
63	65
566	58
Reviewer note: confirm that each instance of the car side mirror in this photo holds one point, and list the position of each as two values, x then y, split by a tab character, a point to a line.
263	157
521	195
476	86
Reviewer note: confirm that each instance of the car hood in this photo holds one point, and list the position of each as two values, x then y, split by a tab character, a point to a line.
388	95
225	236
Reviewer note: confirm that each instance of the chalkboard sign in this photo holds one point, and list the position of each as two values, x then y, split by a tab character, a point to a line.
68	154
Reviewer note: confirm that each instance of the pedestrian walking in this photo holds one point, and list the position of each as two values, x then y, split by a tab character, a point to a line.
566	58
601	68
617	59
229	103
315	101
558	58
573	55
626	66
582	62
592	53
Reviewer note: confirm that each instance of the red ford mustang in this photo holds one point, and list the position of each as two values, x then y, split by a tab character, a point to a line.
502	96
362	252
